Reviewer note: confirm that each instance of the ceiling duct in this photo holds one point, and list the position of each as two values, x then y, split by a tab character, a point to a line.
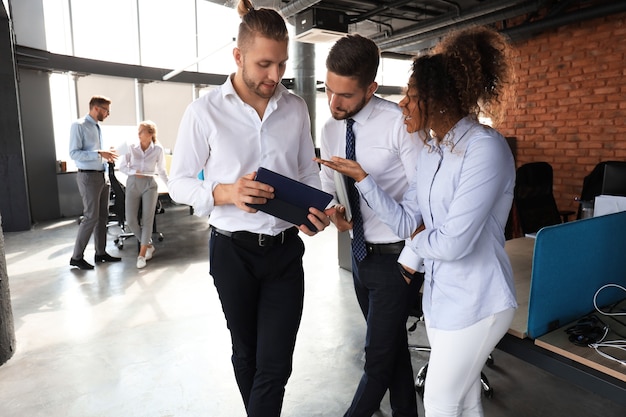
319	25
424	35
296	7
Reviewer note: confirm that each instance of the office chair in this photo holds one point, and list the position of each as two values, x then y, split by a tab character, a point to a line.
420	378
592	185
534	200
117	211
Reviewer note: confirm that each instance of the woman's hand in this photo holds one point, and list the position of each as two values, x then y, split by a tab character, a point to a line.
344	166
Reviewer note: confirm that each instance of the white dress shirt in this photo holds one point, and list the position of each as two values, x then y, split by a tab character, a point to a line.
149	162
224	136
463	190
384	150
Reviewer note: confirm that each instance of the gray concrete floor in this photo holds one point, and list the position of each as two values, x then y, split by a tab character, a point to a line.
123	342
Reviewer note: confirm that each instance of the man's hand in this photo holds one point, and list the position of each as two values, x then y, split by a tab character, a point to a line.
110	155
339	219
320	220
407	273
245	190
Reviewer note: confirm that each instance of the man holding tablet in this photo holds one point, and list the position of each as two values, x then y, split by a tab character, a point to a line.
251	121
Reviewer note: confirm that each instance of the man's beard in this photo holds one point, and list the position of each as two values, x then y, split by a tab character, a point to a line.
255	88
348	114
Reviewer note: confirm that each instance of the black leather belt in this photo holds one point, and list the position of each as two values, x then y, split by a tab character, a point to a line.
384	248
90	170
258	238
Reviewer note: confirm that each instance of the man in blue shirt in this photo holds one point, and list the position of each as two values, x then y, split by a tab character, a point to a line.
86	150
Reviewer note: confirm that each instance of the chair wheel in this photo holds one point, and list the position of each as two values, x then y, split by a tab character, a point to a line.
484	382
420	391
420	379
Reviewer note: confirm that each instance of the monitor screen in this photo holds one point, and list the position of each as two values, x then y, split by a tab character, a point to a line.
614	181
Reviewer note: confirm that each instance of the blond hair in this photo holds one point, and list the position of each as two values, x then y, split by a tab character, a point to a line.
151	127
264	22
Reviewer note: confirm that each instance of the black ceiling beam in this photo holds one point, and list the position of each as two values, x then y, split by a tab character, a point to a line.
37	59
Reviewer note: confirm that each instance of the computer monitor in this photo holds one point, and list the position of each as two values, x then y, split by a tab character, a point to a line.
614	180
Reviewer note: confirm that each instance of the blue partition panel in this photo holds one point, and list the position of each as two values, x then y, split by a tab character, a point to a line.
571	262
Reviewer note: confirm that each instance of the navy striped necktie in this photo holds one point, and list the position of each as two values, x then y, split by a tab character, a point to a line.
358	237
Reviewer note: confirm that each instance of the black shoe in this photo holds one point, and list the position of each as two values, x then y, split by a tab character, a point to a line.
106	258
81	263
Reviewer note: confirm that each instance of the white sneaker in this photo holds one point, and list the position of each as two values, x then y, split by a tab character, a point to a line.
141	262
149	252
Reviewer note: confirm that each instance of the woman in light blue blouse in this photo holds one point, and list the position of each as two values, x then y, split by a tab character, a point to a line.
462	193
144	160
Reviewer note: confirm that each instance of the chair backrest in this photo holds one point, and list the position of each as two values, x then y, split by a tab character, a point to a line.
119	196
534	200
592	183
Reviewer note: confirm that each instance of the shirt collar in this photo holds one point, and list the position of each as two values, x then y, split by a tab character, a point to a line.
364	114
458	131
137	144
91	119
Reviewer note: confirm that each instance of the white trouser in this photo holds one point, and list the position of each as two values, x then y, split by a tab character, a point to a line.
452	386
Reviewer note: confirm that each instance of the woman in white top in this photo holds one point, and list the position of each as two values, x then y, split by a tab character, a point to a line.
462	192
144	160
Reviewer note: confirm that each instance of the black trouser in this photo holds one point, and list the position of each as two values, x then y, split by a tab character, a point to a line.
385	299
262	291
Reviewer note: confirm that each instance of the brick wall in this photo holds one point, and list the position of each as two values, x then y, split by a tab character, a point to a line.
570	105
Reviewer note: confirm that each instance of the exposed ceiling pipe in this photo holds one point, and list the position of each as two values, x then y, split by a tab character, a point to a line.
522	31
373	12
450	18
296	7
434	30
453	4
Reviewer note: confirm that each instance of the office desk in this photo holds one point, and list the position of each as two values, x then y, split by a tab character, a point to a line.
520	253
552	351
557	341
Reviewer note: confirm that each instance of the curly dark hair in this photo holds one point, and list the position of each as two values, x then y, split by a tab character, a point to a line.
468	73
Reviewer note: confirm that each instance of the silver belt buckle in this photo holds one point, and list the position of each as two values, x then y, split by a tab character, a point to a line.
261	239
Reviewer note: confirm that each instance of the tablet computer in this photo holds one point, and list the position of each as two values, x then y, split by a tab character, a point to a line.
292	198
341	185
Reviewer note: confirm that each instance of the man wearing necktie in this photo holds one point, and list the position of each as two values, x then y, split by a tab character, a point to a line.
371	130
86	150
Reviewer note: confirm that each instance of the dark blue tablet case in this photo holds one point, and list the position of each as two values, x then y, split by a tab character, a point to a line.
292	198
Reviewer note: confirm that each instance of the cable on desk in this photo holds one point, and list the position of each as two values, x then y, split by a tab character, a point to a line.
609	344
